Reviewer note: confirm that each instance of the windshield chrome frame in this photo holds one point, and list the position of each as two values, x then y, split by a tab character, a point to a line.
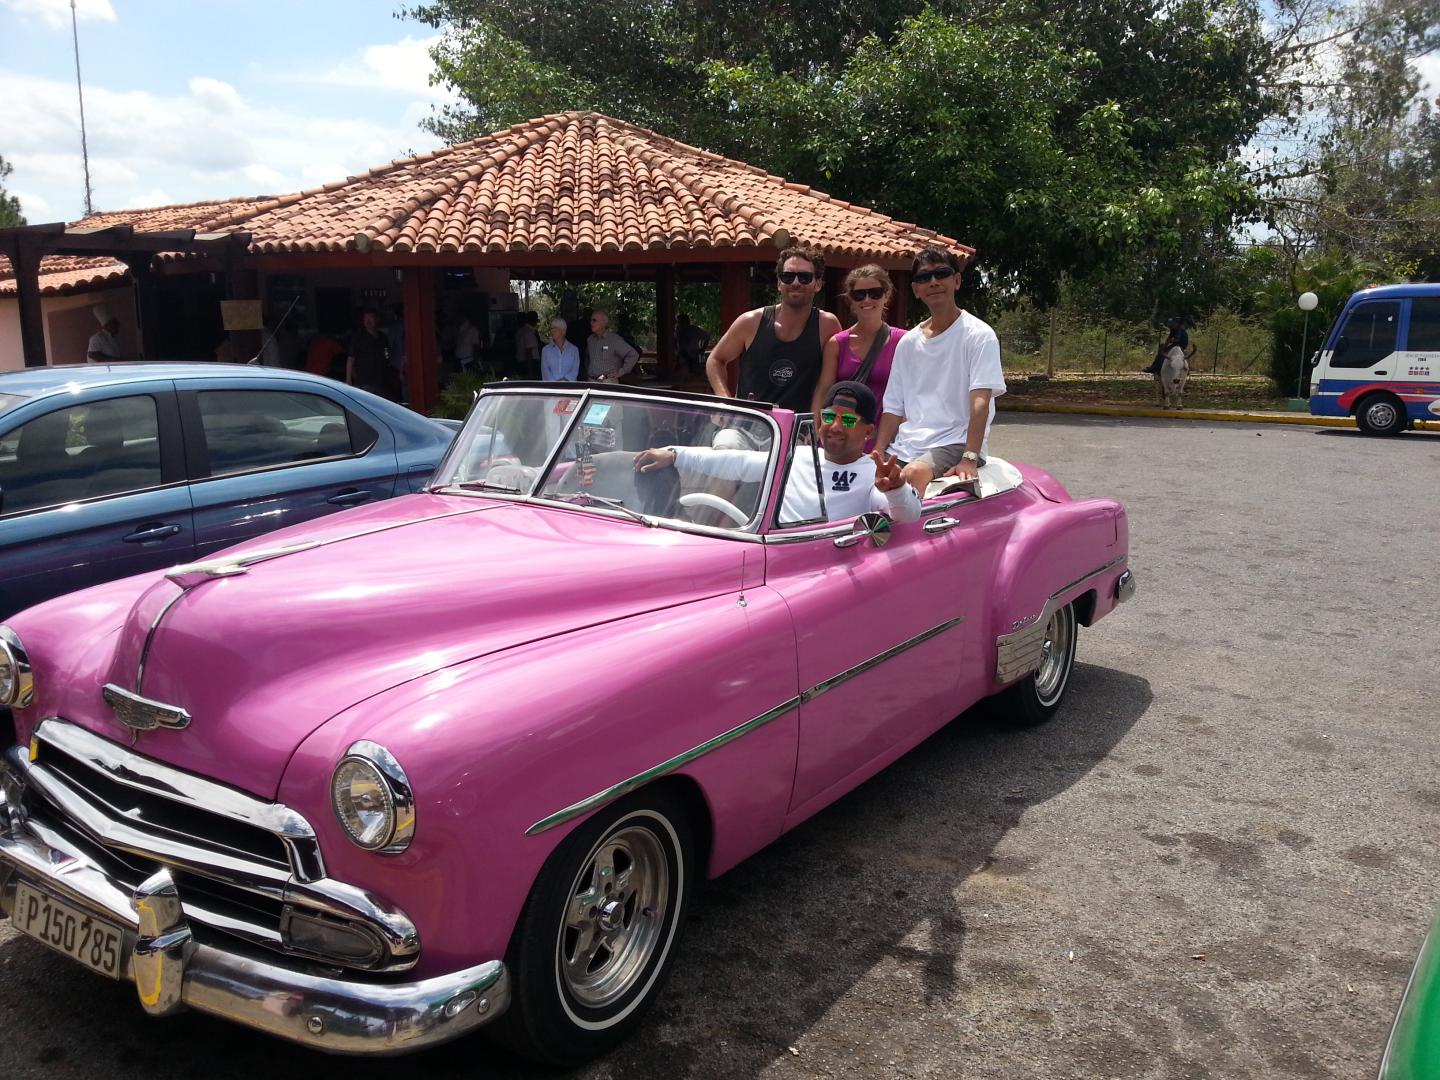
751	532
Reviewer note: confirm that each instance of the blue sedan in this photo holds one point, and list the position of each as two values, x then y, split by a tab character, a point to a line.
110	470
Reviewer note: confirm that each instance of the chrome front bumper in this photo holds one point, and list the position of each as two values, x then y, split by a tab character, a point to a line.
172	970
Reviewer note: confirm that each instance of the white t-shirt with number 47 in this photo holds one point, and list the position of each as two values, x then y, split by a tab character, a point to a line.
849	489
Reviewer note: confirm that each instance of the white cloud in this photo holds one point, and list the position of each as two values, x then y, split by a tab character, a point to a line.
403	67
209	142
56	13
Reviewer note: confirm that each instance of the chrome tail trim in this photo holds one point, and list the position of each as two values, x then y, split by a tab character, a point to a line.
1019	652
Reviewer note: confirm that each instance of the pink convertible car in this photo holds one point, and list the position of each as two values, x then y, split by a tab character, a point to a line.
456	760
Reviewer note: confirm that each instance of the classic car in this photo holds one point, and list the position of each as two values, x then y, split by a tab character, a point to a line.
108	470
456	760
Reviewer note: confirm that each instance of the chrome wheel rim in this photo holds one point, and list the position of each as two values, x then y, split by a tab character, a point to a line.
1055	654
1381	414
615	918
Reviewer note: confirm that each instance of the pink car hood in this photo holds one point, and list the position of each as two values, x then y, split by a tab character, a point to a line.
261	659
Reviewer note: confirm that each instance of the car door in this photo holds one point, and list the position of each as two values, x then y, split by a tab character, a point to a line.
91	490
881	638
269	454
1421	368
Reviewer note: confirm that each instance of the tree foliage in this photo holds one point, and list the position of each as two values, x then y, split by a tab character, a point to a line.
1060	144
10	214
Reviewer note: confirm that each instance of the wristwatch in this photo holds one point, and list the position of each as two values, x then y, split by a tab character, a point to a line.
971	455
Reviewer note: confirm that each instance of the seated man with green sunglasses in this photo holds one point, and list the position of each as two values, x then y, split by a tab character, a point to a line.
853	482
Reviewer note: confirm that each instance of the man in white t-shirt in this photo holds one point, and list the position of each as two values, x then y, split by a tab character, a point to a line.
940	398
854	482
103	347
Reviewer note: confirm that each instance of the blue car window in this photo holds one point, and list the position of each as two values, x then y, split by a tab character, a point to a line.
263	429
81	452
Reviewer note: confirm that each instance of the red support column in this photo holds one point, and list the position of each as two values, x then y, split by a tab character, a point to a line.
665	322
899	313
734	302
422	353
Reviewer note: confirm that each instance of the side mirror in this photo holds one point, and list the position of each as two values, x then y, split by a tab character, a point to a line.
874	524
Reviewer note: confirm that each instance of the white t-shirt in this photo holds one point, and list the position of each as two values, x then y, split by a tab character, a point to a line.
467	343
849	489
930	384
104	343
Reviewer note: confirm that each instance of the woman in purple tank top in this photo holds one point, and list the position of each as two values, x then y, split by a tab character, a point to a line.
868	290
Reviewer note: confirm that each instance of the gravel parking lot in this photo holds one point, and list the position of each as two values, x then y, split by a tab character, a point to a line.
1218	862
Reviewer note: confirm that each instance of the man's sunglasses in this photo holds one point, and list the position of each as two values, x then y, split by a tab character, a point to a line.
804	277
939	273
848	419
876	293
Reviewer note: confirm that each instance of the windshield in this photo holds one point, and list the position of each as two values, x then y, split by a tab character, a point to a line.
615	455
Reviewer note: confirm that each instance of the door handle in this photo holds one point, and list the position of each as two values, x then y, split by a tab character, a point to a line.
1381	373
149	533
349	497
935	526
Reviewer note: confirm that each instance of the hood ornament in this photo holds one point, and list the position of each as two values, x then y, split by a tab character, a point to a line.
192	574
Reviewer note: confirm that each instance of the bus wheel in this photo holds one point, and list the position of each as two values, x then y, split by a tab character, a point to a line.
1380	414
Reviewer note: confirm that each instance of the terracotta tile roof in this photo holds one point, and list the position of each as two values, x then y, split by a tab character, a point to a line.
572	182
61	274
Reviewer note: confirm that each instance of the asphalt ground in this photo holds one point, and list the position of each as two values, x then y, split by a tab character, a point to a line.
1219	861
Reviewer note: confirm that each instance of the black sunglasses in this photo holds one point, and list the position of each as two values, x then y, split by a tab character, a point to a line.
876	293
939	273
804	277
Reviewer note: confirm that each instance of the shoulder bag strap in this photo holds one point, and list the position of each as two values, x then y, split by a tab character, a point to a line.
882	338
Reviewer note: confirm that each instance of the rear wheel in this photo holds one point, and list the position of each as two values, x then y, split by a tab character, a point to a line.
595	939
1381	414
1037	697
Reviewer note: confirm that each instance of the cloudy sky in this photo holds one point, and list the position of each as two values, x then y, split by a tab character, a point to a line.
200	99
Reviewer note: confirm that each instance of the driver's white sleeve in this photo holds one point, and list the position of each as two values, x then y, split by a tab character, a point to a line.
742	465
902	504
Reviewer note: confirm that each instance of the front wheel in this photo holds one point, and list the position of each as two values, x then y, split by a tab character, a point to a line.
1380	414
594	942
1036	698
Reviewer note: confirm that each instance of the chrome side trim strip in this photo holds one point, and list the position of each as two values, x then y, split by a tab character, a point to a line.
182	787
624	787
1019	652
150	637
878	659
807	535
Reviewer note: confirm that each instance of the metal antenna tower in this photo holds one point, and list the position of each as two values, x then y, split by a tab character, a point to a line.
84	150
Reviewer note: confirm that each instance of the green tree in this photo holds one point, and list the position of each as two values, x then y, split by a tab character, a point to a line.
1057	146
9	204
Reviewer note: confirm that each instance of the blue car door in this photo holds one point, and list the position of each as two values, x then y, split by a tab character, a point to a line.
91	489
266	455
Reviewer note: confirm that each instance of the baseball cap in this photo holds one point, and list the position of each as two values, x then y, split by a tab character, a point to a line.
861	399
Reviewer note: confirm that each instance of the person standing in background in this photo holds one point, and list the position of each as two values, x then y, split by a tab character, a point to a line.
527	345
608	356
104	348
559	359
367	359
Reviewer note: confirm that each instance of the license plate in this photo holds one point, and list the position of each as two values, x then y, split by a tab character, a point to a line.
67	929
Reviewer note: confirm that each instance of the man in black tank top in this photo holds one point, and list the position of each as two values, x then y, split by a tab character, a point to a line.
778	349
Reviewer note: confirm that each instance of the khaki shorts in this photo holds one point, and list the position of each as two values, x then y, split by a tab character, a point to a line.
942	459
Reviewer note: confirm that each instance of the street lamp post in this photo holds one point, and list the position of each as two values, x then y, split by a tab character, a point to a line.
1306	303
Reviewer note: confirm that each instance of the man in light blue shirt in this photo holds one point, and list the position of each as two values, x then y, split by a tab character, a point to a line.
559	360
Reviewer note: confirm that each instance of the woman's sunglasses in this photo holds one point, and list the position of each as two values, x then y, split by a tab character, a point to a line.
867	294
804	277
940	273
848	419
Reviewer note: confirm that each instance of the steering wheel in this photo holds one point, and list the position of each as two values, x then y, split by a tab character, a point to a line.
715	502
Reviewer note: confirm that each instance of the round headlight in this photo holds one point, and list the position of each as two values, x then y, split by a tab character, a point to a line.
16	685
372	799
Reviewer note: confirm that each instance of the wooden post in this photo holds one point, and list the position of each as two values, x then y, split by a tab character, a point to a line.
734	302
26	261
665	322
422	353
146	319
1050	362
899	313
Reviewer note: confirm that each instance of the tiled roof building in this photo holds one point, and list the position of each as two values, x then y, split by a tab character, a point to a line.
577	195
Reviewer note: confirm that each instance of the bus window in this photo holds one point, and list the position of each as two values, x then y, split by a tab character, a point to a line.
1424	325
1368	336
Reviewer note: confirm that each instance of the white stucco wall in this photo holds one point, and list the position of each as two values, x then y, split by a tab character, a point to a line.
68	326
